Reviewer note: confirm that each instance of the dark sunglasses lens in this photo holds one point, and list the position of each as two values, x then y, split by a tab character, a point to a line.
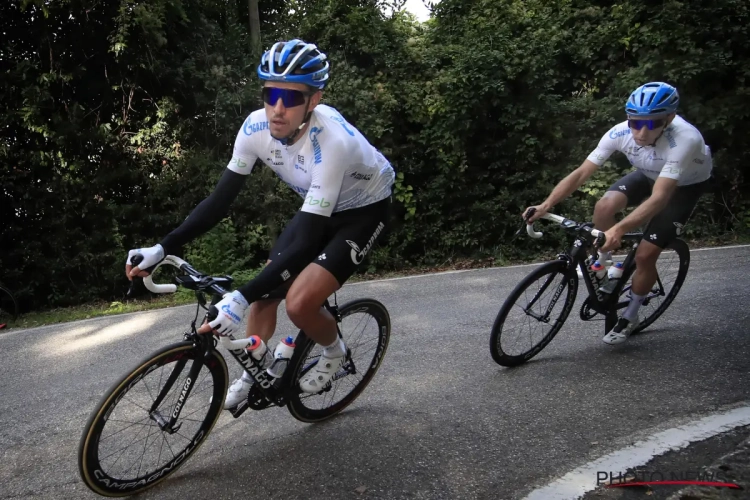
289	98
651	124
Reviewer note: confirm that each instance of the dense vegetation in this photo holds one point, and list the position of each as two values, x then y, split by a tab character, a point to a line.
119	116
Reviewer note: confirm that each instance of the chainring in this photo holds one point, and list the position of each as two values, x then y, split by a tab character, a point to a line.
587	313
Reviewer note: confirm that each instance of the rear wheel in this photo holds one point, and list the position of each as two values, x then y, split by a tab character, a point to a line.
672	268
366	330
123	449
533	313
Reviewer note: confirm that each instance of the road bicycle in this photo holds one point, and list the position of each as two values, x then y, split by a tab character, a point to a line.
536	300
168	404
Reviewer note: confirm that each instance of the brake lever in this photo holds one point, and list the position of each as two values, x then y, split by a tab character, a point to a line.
526	216
137	259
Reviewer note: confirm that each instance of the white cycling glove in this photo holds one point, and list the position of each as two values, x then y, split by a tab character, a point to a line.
231	311
151	256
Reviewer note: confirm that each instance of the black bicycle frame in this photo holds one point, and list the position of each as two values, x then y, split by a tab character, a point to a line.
605	303
274	390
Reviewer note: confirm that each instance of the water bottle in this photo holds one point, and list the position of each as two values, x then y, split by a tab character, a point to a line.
281	357
613	274
599	270
259	351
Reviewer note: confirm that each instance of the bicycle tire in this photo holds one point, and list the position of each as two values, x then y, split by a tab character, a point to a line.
550	268
683	251
89	462
296	402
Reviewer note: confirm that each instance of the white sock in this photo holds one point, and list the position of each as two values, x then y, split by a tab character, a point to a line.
336	349
631	313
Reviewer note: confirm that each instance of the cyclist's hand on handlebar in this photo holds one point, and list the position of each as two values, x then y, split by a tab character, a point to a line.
229	313
536	212
612	239
151	257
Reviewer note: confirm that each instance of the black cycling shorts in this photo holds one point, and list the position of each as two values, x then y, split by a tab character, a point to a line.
669	223
350	236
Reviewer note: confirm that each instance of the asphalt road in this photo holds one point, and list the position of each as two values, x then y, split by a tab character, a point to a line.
440	420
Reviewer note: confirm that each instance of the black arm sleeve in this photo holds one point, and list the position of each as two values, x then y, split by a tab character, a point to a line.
294	258
208	213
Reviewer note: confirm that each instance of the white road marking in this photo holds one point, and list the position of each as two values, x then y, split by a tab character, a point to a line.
583	479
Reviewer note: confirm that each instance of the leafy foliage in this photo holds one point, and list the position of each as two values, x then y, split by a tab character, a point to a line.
119	117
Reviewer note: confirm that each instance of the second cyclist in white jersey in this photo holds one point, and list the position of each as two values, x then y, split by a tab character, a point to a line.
345	188
672	169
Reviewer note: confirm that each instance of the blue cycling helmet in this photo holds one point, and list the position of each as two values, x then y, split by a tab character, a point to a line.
294	61
655	98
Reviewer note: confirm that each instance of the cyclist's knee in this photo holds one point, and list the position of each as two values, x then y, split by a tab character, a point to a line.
647	255
298	306
609	205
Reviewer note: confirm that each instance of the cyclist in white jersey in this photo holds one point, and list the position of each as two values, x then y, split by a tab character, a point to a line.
672	170
345	189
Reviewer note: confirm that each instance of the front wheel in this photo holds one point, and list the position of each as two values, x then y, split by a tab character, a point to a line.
125	447
542	300
366	329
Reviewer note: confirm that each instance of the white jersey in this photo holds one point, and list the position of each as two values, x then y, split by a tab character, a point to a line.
680	153
332	167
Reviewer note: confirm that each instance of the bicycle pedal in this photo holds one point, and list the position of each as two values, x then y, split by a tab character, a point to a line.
239	409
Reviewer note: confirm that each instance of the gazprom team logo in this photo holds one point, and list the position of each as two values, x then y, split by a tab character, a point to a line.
359	255
315	144
250	128
614	133
228	311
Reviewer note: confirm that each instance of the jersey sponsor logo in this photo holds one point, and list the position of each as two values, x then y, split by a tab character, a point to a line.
317	153
250	128
359	255
360	177
337	117
670	139
297	166
614	133
296	189
698	161
237	163
300	159
315	201
597	157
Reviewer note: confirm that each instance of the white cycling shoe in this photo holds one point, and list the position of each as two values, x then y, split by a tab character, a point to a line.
237	392
620	333
322	373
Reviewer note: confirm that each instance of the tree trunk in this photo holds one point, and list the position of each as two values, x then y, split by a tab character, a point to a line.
254	27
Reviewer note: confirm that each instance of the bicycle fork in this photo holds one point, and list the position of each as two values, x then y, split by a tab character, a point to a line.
545	317
167	424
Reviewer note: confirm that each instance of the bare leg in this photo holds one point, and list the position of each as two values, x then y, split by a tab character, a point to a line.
304	304
604	212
